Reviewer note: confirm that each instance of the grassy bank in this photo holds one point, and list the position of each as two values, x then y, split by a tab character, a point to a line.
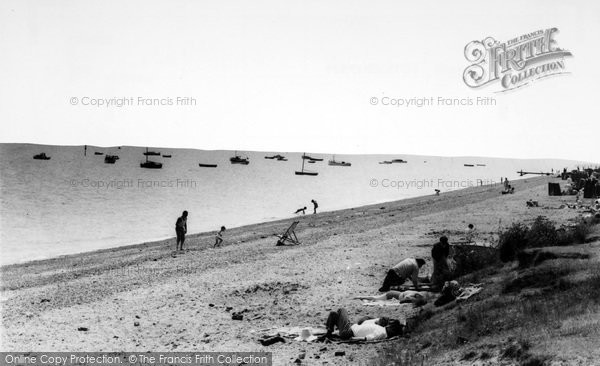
539	307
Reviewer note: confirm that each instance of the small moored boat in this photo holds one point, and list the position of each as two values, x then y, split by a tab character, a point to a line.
304	172
334	162
149	164
110	159
306	157
239	160
41	156
207	165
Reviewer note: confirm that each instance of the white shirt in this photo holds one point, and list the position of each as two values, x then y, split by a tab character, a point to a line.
369	330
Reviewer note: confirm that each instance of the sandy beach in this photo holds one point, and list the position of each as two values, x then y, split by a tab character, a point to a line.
147	297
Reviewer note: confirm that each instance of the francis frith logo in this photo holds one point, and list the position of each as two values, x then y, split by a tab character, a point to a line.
516	62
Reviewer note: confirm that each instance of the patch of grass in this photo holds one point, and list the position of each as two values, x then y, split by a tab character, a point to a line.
472	258
575	235
542	233
511	241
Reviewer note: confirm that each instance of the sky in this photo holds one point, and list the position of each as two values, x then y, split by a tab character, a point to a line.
292	76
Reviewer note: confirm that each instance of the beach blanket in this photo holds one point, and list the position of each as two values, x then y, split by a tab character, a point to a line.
291	332
382	303
408	297
469	291
358	341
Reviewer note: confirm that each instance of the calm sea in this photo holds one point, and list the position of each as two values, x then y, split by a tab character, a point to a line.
74	203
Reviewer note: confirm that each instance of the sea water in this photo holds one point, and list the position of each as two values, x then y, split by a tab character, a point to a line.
75	203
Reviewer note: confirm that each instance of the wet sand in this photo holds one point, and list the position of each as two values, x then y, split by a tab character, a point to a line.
147	297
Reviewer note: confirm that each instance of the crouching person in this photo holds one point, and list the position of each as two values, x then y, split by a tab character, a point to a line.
366	329
408	268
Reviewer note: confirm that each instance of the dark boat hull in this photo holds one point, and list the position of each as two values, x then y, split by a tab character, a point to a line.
207	165
307	173
337	163
151	166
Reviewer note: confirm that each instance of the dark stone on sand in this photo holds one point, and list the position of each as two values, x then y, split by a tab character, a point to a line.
45	300
211	305
298	361
302	356
237	316
229	308
136	324
340	353
83	329
323	349
137	316
272	340
317	357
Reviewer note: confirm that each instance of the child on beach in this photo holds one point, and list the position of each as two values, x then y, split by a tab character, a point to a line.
303	210
219	237
470	234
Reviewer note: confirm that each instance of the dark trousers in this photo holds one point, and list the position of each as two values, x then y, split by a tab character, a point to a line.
180	237
340	320
391	279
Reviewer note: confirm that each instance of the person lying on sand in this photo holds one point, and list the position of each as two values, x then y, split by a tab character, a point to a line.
408	268
408	296
366	329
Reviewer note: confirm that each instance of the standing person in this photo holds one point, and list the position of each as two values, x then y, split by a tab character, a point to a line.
315	204
219	237
506	185
408	268
441	269
181	229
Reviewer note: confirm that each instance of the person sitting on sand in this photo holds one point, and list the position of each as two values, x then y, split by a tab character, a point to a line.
219	237
181	229
366	329
303	210
408	268
315	204
470	233
441	269
509	190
